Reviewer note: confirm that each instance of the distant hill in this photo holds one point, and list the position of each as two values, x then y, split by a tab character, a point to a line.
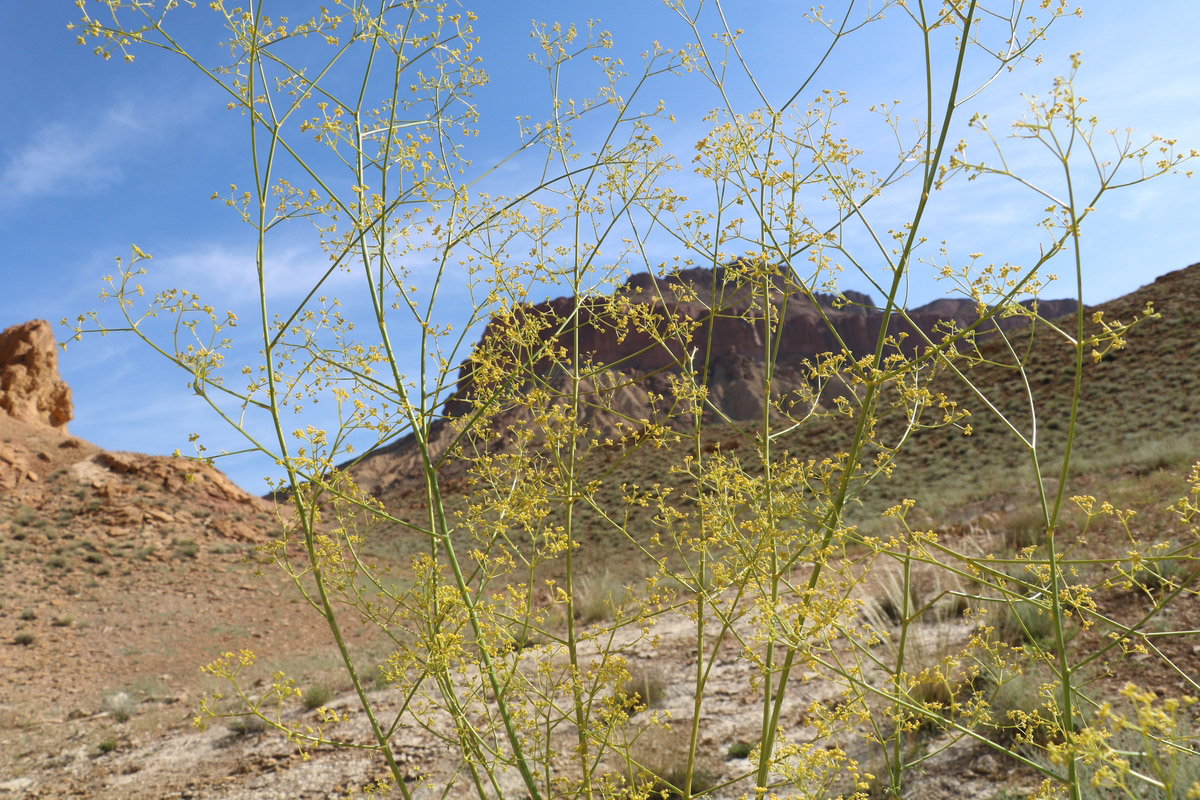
729	344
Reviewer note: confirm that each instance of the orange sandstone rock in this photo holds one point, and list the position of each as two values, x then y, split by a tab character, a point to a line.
31	390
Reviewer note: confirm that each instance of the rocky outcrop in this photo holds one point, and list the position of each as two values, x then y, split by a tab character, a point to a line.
724	334
31	390
129	495
707	320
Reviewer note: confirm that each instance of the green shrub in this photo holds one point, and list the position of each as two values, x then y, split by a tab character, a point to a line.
1024	707
1170	567
740	749
245	724
316	697
1023	620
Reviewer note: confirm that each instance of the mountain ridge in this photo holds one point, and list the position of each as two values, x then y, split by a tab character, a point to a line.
640	364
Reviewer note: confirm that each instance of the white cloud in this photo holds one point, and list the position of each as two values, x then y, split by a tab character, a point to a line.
227	273
71	158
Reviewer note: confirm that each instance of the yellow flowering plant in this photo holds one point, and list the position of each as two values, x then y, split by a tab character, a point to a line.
524	490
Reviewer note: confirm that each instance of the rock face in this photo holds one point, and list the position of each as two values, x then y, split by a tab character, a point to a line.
640	361
31	390
720	317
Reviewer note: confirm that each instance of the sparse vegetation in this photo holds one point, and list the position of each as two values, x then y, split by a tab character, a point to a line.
185	548
24	638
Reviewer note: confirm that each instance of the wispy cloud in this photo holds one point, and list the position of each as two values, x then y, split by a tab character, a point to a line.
228	271
70	158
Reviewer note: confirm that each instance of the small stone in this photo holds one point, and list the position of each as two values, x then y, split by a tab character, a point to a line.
986	764
17	784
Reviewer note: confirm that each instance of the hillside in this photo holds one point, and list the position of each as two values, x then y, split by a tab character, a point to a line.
1135	401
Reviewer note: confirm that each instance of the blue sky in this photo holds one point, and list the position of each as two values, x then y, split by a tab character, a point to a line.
97	155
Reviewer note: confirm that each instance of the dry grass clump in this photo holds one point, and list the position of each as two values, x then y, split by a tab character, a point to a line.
658	766
934	591
1024	527
644	689
596	596
120	706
